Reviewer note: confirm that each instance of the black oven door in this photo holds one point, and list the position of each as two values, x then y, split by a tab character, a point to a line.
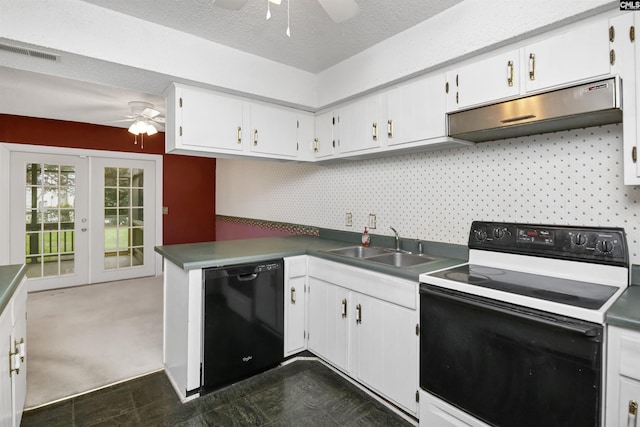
509	365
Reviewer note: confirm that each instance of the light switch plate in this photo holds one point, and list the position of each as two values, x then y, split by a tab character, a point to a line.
372	221
348	219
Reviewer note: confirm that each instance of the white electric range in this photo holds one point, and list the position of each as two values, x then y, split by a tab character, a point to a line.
506	337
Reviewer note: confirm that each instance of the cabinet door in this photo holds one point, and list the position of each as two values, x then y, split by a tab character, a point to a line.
208	121
629	401
626	51
328	322
324	138
416	110
485	81
6	406
274	131
18	339
386	347
294	316
295	269
361	125
579	54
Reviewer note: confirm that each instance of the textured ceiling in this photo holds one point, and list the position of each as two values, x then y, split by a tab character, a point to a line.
316	42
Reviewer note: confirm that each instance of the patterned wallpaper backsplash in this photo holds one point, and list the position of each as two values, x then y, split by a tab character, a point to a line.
567	178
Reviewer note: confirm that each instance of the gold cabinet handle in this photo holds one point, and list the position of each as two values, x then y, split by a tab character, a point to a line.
359	313
632	416
634	154
293	295
255	137
510	73
20	348
532	66
239	135
375	131
390	128
315	145
344	308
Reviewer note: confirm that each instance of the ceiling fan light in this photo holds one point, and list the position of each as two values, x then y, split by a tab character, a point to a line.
151	129
134	128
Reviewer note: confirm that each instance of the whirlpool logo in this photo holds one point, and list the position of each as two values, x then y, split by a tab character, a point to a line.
630	5
246	359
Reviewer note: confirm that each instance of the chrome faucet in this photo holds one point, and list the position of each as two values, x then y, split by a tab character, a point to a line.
397	239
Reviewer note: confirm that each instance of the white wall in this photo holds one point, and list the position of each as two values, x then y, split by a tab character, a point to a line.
570	177
469	28
96	46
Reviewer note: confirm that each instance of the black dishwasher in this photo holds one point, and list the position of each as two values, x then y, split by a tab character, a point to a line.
243	322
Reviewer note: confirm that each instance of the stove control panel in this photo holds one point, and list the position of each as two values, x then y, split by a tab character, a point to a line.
588	244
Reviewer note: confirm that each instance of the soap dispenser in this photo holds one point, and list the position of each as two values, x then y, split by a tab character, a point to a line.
366	239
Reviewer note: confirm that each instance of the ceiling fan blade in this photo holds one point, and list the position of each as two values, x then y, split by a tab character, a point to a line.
340	10
158	119
150	113
230	4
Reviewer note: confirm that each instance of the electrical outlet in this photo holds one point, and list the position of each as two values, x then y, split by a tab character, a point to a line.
372	221
348	219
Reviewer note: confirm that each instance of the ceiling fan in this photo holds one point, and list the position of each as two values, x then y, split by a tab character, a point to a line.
145	118
338	10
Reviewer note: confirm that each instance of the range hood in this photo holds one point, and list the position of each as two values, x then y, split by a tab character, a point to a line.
591	104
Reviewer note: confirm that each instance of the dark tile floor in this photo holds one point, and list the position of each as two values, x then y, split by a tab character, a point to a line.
303	393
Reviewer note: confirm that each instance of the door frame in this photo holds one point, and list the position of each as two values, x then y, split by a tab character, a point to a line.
5	194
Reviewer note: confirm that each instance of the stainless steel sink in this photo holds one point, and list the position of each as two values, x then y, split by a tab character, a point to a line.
384	256
402	259
358	251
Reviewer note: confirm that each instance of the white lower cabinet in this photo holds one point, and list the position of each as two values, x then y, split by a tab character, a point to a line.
328	322
13	360
623	377
364	323
295	270
386	350
436	413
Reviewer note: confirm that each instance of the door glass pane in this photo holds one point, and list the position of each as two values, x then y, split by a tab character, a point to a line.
122	241
49	220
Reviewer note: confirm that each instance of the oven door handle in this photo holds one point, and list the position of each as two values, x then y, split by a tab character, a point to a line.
556	321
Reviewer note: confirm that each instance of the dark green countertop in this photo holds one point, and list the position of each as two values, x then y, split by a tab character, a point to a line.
625	312
10	278
218	254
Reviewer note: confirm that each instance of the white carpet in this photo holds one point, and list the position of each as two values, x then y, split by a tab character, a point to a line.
87	337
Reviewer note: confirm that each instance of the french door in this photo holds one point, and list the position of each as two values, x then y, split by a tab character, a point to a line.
78	220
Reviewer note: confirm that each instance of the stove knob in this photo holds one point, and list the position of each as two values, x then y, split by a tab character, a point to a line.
481	235
580	239
605	246
498	233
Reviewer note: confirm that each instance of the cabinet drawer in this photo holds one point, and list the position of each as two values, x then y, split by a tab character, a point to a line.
18	301
629	351
295	266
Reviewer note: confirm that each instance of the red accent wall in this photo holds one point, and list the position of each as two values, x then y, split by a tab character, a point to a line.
188	182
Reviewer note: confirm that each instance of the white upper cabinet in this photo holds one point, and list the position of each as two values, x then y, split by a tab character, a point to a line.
624	51
202	120
579	54
324	142
415	111
361	125
274	130
484	81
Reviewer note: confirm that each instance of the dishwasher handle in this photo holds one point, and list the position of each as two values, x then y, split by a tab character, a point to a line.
246	277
